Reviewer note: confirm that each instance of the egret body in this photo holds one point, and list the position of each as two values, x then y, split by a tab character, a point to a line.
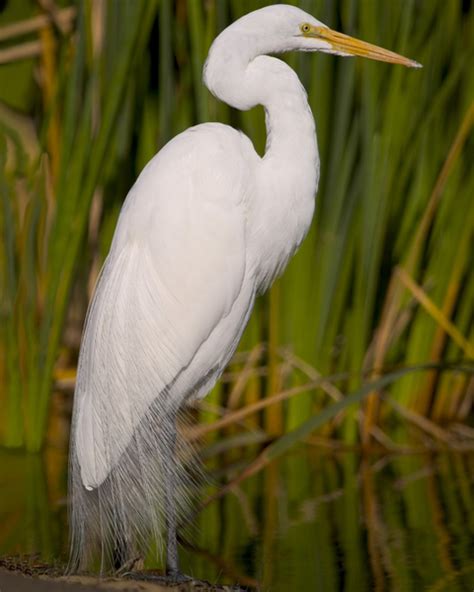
208	225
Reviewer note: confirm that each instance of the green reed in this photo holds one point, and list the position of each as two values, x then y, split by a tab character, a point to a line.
44	255
391	196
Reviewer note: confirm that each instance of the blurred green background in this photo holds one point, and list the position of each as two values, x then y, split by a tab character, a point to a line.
90	90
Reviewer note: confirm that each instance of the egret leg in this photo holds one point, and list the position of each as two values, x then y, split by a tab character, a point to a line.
122	554
119	553
172	557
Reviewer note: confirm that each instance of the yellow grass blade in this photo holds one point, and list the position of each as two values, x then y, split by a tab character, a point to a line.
435	312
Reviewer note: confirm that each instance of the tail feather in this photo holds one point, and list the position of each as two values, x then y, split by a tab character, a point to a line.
126	515
120	438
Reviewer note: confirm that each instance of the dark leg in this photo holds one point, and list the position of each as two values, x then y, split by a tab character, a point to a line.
172	557
123	558
119	554
168	452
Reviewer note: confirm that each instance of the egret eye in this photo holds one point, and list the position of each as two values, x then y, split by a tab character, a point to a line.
305	28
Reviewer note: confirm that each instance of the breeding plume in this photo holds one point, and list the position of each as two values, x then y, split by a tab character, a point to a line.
208	225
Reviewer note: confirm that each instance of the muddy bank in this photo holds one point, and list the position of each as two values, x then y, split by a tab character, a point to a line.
17	575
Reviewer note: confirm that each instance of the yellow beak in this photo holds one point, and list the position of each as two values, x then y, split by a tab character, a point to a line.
349	45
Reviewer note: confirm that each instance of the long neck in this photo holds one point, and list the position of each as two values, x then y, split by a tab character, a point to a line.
288	174
237	73
291	131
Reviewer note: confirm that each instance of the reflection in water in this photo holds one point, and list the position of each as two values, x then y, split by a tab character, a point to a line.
32	504
311	521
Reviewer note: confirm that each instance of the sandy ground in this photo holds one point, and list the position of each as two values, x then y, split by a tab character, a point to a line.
18	582
19	576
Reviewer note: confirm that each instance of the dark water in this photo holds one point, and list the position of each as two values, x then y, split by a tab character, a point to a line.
311	521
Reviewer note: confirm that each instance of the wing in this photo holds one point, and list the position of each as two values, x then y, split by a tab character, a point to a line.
175	269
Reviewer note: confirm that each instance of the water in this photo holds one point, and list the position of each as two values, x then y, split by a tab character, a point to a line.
310	521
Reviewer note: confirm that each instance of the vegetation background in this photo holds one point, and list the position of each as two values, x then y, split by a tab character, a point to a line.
90	91
367	340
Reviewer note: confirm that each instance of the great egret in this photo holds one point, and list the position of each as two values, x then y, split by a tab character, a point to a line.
208	225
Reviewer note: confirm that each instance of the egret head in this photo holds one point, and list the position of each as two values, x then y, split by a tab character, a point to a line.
280	28
322	38
275	29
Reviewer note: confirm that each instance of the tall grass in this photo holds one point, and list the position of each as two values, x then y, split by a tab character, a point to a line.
384	274
43	236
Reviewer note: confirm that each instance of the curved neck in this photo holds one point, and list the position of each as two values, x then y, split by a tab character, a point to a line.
291	130
239	75
288	173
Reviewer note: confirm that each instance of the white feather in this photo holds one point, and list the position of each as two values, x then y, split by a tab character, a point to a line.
168	311
207	225
171	277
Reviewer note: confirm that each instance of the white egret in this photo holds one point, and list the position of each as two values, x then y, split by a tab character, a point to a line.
207	226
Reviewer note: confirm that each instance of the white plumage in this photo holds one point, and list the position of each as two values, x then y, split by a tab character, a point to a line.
177	269
207	226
